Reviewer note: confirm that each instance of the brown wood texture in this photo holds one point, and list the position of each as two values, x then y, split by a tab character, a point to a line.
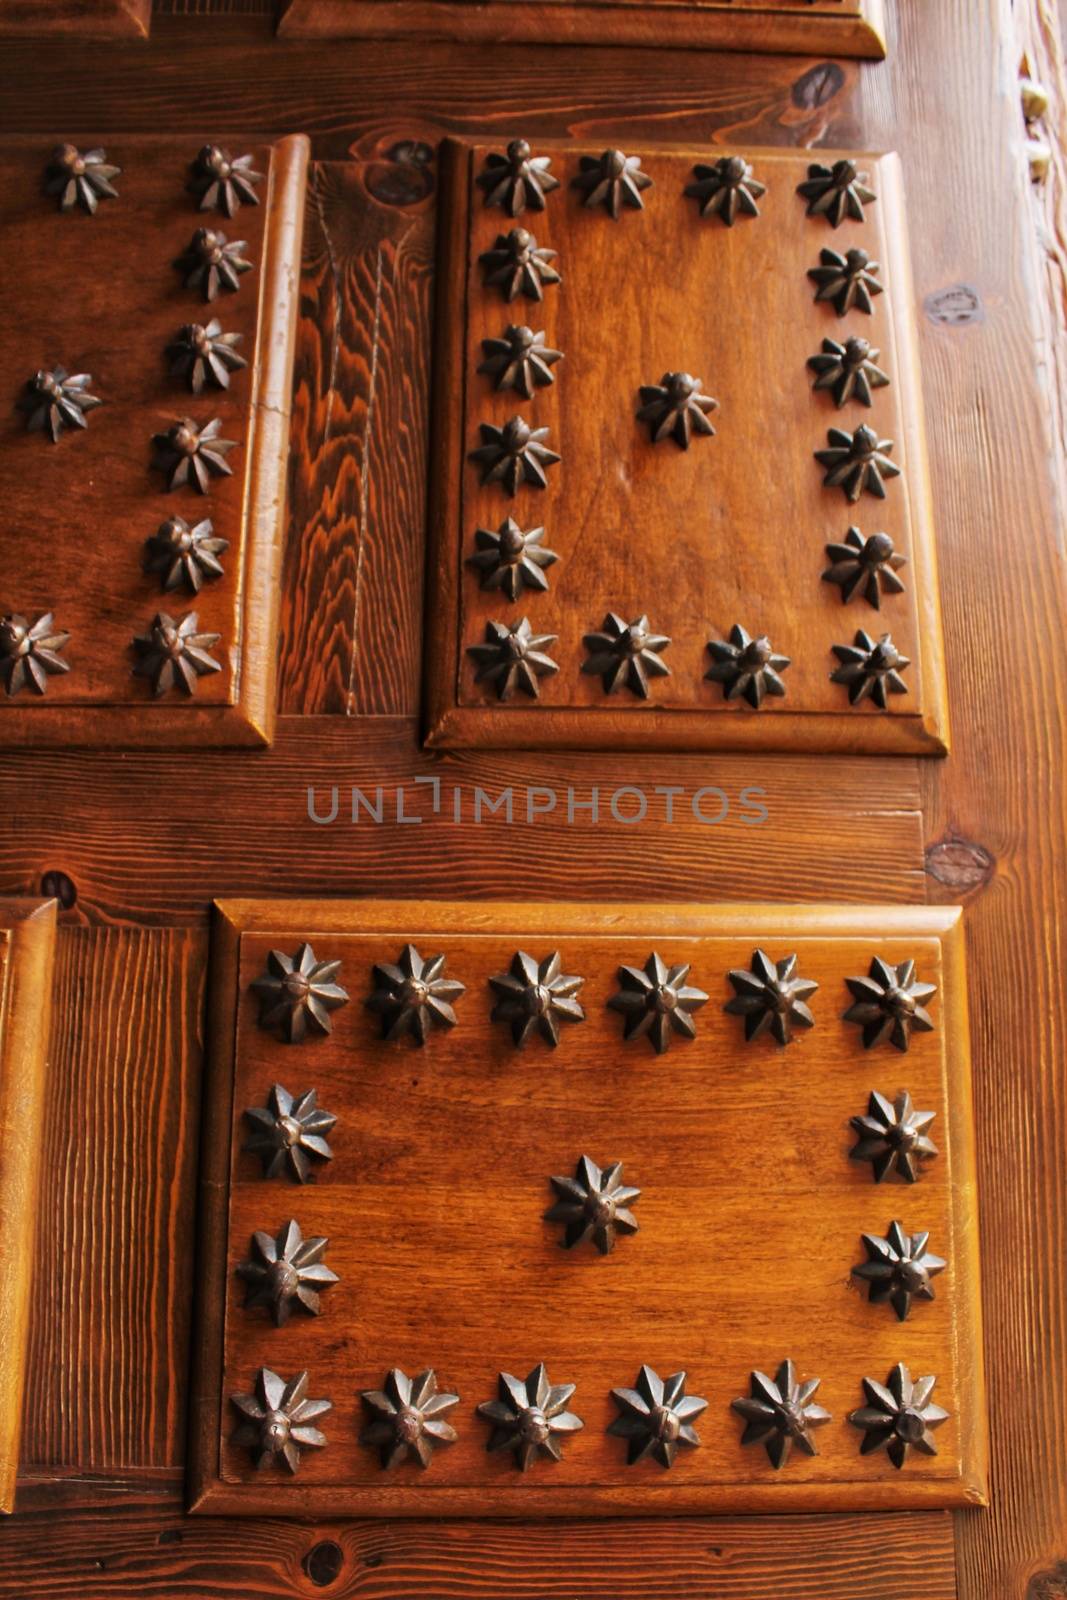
85	19
749	1217
837	27
730	531
990	819
27	941
103	598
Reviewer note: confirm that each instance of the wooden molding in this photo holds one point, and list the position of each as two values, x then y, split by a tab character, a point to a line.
87	19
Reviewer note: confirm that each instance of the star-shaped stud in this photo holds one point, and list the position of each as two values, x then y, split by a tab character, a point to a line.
29	652
181	554
412	996
277	1420
210	262
846	281
519	360
865	566
297	993
594	1204
771	998
534	997
285	1271
513	657
528	1415
857	461
517	264
287	1132
656	1417
893	1137
54	400
656	1001
612	180
889	1004
870	669
726	189
513	455
192	455
405	1418
511	559
898	1269
779	1414
836	192
898	1416
747	668
80	179
518	180
850	370
676	407
175	653
204	356
221	182
625	655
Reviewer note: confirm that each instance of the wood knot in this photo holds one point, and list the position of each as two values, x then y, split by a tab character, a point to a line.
960	864
1050	1585
323	1563
957	306
405	175
817	86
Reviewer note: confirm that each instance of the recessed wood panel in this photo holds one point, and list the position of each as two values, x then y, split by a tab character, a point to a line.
99	294
750	1210
730	531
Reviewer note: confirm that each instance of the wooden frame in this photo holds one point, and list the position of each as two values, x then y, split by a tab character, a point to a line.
27	941
86	19
594	1483
794	27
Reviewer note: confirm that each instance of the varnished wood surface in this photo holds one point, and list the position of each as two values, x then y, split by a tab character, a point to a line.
991	814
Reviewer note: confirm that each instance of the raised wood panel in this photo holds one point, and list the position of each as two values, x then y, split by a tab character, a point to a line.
84	19
750	1213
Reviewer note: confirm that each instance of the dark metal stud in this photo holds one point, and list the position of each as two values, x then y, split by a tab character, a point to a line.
287	1132
285	1271
511	559
656	1001
771	998
211	262
836	192
181	554
656	1417
29	652
277	1420
898	1269
535	997
626	654
850	370
517	264
865	566
778	1414
297	993
726	189
857	461
899	1416
870	668
675	407
520	360
54	401
80	179
174	654
513	657
527	1416
594	1204
889	1004
518	180
221	182
513	455
747	668
405	1418
411	995
612	180
846	281
204	356
188	454
893	1137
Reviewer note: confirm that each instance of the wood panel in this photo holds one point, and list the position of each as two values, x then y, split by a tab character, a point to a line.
85	19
